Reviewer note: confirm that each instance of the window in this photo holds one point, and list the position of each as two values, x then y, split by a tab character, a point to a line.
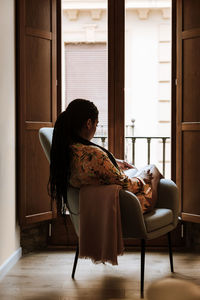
85	63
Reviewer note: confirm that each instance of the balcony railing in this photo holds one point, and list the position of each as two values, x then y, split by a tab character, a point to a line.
102	141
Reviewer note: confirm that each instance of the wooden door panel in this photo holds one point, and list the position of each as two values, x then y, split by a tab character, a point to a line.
191	18
38	79
37	104
37	174
38	14
188	108
191	80
191	167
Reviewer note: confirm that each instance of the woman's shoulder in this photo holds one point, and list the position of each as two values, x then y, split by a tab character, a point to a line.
88	148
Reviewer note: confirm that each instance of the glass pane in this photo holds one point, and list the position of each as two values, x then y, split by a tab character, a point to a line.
147	83
84	66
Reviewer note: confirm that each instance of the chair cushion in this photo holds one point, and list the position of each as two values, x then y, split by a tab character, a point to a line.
158	218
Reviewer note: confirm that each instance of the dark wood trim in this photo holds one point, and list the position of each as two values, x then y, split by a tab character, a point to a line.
193	33
190	217
111	77
20	117
54	61
39	33
190	126
179	101
116	31
37	125
59	56
39	217
173	94
17	112
119	78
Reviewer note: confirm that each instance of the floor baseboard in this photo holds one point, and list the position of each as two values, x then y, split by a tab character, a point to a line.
10	262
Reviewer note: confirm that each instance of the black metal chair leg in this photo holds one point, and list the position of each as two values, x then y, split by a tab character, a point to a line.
170	252
75	261
142	268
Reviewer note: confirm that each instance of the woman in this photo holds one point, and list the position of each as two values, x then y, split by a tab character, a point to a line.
76	161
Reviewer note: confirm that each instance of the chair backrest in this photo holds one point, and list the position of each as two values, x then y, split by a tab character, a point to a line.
45	136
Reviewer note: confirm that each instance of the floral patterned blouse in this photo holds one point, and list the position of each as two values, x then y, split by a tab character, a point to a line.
90	165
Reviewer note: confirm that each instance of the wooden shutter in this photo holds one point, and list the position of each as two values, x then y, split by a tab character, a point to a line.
36	104
188	107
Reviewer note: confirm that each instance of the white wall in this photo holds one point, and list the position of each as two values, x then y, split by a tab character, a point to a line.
9	230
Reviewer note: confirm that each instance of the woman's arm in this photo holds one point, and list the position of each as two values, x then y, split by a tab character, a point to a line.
124	165
109	174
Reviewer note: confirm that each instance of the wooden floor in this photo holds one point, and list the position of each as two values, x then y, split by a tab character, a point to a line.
47	275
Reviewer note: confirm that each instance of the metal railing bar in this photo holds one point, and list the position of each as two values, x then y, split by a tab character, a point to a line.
133	150
148	150
145	137
135	137
164	144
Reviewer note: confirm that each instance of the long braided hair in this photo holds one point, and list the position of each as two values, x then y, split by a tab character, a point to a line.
66	132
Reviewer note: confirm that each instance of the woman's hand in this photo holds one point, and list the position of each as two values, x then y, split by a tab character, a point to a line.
124	165
147	176
128	166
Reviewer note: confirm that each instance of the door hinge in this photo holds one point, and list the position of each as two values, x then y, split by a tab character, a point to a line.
49	229
176	82
182	231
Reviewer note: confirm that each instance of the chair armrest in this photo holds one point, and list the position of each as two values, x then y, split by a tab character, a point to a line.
133	225
168	197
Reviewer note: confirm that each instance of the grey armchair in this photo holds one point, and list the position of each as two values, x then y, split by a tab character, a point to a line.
162	220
